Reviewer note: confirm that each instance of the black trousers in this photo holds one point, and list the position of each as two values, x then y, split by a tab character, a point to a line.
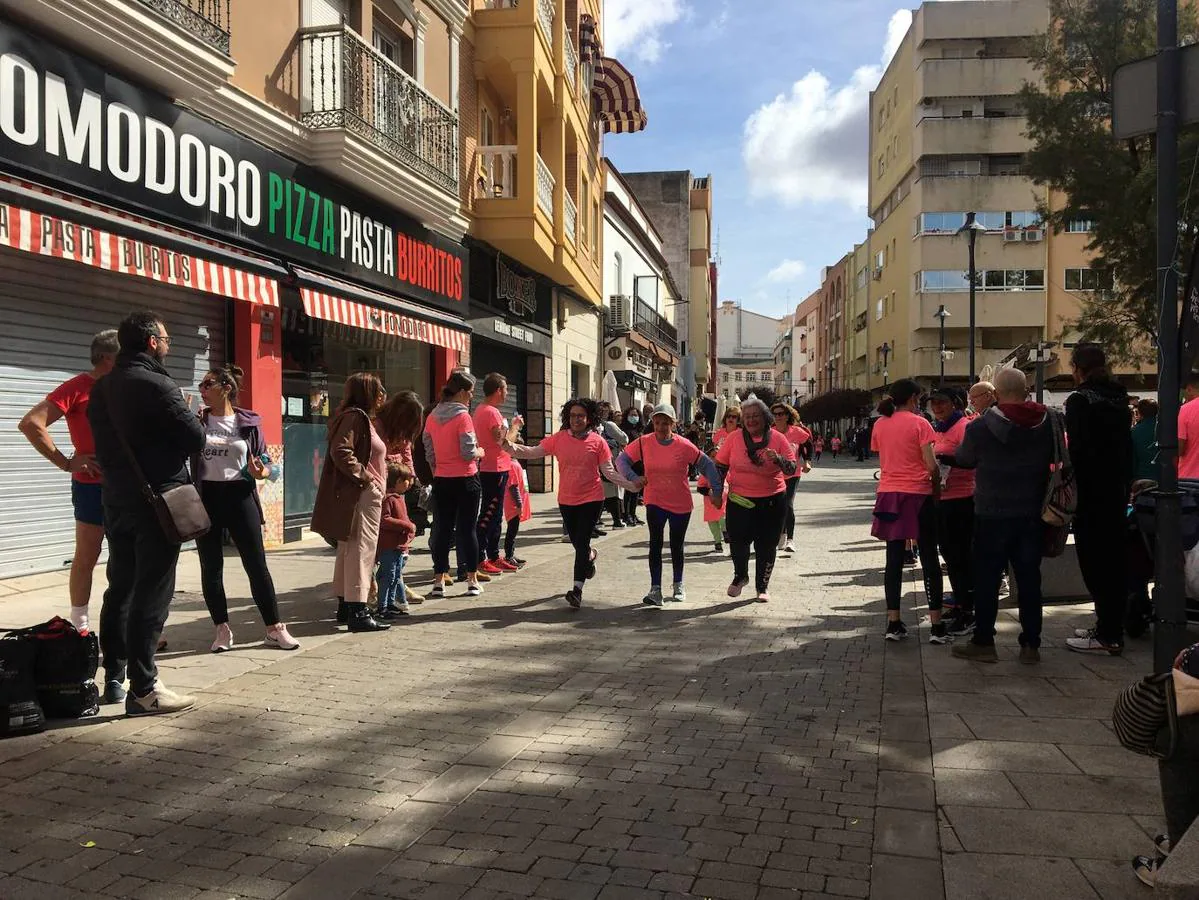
897	551
955	533
792	484
491	516
615	506
631	499
1100	538
760	528
998	543
231	508
510	537
580	521
457	512
658	518
141	583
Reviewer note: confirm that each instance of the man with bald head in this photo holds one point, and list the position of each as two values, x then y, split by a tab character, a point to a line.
981	397
1011	448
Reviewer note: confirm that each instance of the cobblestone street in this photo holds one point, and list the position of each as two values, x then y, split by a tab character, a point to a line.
507	746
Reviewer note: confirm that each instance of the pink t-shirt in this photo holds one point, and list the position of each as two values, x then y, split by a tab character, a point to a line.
750	480
797	435
900	440
579	460
377	466
666	484
488	417
1188	430
719	437
447	446
961	481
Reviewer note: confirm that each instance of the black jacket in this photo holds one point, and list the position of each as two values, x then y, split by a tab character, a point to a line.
1099	426
140	400
1012	463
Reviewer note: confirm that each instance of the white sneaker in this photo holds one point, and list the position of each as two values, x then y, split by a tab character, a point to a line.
789	547
438	591
280	637
223	640
1085	632
159	700
474	589
680	595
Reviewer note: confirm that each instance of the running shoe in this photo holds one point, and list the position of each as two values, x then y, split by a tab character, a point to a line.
575	597
961	622
157	701
504	566
487	567
653	598
280	638
679	595
896	631
736	587
763	597
591	564
1086	632
789	547
1093	646
438	592
939	634
223	642
474	589
515	561
481	576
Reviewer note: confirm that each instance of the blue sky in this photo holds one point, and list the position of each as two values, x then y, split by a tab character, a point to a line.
770	98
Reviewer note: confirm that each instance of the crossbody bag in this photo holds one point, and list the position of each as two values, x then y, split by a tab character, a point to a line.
179	510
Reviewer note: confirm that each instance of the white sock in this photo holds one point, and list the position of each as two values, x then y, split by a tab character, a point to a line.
79	617
578	586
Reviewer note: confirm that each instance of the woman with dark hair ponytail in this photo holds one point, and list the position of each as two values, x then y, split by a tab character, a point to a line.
905	507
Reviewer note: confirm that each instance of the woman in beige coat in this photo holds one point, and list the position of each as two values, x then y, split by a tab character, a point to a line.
349	498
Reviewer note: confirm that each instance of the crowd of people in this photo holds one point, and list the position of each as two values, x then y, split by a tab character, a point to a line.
137	438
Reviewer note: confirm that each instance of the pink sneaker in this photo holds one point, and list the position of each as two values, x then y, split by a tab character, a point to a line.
763	597
223	640
278	636
736	586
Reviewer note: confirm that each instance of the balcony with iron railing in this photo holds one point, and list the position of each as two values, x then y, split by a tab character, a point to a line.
545	188
347	84
571	220
545	19
572	65
207	20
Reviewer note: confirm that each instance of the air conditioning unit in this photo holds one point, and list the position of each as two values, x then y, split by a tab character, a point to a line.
1034	235
878	273
620	313
929	101
1012	235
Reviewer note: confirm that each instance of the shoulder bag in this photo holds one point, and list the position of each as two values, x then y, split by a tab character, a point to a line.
1061	495
180	510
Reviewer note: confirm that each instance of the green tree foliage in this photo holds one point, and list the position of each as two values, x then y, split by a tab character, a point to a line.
1109	182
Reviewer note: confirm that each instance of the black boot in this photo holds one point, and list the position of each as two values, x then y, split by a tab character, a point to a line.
362	620
343	613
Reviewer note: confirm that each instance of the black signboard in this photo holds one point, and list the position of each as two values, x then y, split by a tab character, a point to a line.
501	284
65	119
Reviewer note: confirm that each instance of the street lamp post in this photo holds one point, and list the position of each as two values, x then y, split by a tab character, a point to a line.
943	314
971	229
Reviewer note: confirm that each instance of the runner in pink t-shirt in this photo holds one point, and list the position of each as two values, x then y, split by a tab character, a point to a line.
667	459
494	468
904	508
582	457
758	460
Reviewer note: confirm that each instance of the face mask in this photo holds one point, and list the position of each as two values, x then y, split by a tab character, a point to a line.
633	420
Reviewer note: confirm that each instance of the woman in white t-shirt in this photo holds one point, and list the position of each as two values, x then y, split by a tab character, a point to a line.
226	472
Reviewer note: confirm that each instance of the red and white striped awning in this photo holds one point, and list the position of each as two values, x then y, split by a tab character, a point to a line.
337	308
61	238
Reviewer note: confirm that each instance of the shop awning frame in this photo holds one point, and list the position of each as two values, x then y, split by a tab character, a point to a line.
351	304
170	256
617	102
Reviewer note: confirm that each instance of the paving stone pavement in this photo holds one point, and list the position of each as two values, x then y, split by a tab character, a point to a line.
507	746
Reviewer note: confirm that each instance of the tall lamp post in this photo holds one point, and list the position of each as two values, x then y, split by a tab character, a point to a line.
942	314
971	229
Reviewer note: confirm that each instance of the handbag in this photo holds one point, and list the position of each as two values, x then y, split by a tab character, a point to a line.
1061	495
20	712
65	661
1142	711
179	510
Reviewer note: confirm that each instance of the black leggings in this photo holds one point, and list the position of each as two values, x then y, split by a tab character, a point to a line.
510	537
491	515
761	527
897	551
456	503
614	505
792	484
231	507
657	517
631	499
955	536
580	521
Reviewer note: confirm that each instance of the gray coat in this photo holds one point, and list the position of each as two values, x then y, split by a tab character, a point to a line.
1011	460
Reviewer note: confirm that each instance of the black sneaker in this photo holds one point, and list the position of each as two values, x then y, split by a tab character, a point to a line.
896	631
939	634
617	523
575	597
961	623
114	692
516	561
598	533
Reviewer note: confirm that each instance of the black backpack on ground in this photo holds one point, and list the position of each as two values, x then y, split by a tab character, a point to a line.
20	713
65	661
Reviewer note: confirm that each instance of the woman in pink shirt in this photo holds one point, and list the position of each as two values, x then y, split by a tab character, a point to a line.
905	507
582	457
667	458
714	512
756	461
453	452
786	423
955	511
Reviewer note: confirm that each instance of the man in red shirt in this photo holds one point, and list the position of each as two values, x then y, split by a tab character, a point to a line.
69	400
493	473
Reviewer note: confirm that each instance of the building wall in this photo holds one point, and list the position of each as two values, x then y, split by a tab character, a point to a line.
743	333
263	41
699	315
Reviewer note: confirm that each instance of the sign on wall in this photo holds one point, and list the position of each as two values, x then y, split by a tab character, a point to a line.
65	118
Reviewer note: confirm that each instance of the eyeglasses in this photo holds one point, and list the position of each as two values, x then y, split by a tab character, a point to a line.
208	382
578	416
162	338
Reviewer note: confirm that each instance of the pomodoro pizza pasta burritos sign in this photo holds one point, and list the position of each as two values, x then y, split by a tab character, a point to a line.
65	119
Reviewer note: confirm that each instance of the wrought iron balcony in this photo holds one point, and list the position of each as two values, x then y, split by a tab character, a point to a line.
545	188
206	19
655	327
571	223
346	83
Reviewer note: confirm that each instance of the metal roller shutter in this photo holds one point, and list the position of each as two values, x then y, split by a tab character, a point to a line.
50	311
487	357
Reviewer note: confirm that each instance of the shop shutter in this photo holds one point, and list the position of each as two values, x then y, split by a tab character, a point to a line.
485	358
51	309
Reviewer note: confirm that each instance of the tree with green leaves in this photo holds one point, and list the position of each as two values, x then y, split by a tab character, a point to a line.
1108	182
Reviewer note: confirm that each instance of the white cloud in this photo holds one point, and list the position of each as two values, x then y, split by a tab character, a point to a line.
787	270
811	144
634	27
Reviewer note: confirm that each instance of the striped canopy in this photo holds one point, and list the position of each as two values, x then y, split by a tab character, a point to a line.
616	100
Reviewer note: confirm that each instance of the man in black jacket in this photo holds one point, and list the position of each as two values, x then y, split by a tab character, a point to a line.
1099	425
139	402
1011	447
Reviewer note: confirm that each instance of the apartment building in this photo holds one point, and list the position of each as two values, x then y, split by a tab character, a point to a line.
857	318
947	139
784	352
279	179
745	348
680	206
803	360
